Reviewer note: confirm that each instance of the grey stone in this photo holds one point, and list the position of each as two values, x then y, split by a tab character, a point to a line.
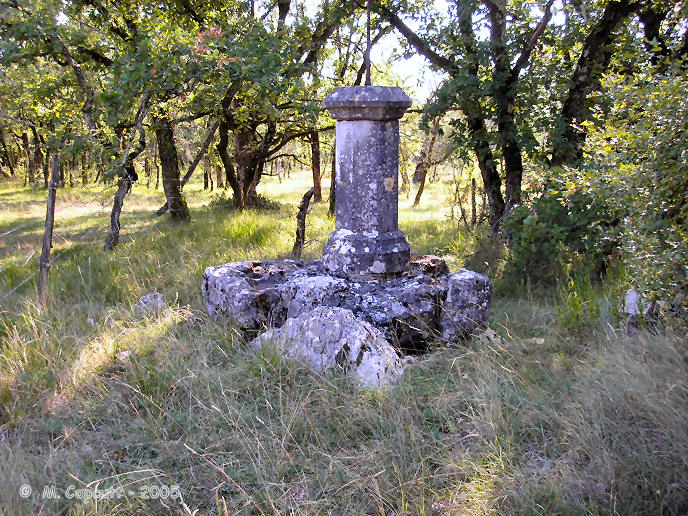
409	310
642	312
367	103
632	302
245	291
329	337
367	241
467	305
152	303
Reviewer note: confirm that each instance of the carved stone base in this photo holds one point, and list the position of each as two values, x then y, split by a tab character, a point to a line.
426	304
366	256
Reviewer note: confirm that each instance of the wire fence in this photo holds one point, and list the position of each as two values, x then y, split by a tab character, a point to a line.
62	234
92	199
52	260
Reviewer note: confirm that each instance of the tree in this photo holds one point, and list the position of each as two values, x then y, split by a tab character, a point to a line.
508	92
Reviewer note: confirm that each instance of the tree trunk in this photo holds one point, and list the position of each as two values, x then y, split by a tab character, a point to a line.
242	158
230	172
477	129
315	163
256	162
38	158
207	169
156	165
30	166
44	262
301	224
592	64
28	177
157	174
421	172
123	187
488	170
473	206
504	100
8	155
169	161
203	151
404	187
99	169
148	169
421	186
84	168
219	183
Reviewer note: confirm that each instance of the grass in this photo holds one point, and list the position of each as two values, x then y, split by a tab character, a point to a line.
555	411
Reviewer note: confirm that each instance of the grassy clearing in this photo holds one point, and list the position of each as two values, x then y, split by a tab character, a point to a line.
544	416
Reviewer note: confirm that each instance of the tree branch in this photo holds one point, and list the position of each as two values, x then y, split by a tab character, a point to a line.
422	46
530	46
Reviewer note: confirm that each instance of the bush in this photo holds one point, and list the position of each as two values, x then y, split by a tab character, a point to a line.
630	195
564	226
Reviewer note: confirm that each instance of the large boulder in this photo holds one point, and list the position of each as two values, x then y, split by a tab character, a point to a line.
328	337
245	292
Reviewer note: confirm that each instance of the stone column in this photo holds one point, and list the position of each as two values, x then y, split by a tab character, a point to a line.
367	242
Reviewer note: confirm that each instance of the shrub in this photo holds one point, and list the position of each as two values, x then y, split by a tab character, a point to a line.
566	224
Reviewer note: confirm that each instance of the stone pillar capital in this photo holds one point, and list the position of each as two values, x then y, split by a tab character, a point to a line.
367	103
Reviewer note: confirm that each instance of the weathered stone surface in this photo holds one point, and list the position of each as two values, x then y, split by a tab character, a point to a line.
467	305
428	264
329	337
632	302
367	103
642	312
152	303
245	291
408	309
367	241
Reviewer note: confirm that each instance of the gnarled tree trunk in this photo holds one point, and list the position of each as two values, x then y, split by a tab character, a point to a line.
38	158
230	171
29	178
171	180
6	150
84	168
124	185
